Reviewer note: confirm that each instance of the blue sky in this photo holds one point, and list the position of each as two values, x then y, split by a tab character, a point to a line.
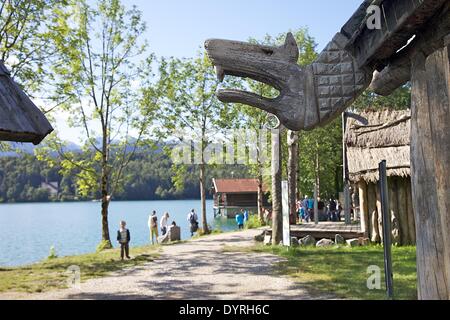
179	27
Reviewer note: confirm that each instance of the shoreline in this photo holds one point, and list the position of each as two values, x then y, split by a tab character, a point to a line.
97	201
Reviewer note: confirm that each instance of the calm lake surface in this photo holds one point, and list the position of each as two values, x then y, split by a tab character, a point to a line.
27	231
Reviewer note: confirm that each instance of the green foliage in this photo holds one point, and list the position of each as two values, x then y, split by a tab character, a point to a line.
27	29
148	176
253	222
326	144
400	99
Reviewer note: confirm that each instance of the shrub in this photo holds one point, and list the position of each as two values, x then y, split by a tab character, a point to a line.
253	222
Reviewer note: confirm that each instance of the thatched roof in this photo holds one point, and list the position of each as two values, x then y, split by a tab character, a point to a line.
20	119
385	136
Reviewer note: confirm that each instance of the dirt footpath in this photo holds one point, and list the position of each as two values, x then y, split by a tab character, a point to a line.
198	269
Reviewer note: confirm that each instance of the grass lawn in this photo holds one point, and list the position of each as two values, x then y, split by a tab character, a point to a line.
343	270
51	274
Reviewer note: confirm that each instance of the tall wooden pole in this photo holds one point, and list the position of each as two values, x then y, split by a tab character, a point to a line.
292	140
430	168
386	220
345	172
277	218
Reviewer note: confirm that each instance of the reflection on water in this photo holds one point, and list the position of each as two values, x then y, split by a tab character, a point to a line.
27	231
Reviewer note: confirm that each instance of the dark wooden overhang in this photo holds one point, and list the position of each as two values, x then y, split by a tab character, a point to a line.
400	21
20	119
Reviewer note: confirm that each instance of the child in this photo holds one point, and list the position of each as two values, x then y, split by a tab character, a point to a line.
123	237
240	220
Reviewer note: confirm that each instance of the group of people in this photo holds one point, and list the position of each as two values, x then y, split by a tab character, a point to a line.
124	237
330	211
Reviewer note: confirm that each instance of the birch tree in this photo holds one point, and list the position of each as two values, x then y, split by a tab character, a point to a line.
103	64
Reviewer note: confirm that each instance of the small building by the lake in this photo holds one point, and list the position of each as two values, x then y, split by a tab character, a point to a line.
231	195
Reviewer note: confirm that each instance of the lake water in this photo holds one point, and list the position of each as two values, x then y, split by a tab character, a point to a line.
27	231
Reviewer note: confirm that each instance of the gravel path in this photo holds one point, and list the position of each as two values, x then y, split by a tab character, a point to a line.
197	269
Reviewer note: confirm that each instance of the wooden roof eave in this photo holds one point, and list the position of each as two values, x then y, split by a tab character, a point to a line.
20	119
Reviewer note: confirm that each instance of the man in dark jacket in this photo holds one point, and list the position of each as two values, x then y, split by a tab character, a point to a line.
123	237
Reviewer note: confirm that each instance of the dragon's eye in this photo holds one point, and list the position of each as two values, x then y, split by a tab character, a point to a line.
268	52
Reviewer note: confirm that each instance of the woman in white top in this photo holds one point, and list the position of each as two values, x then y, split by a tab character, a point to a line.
164	222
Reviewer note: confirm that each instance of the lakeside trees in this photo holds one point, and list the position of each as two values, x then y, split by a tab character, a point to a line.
147	177
98	70
103	63
191	112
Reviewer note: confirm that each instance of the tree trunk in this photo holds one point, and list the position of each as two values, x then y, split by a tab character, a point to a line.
430	167
277	218
292	140
104	193
363	207
373	213
203	198
260	199
260	178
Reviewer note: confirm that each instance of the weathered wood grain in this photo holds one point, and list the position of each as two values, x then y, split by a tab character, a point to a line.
430	165
398	70
363	207
401	20
371	199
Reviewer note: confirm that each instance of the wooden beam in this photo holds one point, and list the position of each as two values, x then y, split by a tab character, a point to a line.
398	71
401	19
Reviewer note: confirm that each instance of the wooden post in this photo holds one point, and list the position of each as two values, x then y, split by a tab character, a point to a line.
363	207
373	213
403	211
347	199
410	213
386	220
292	140
430	166
393	206
379	212
277	219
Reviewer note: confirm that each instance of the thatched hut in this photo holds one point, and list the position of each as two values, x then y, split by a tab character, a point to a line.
20	119
385	135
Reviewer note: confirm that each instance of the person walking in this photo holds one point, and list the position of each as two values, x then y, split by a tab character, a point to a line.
123	237
306	208
245	214
193	221
153	226
164	223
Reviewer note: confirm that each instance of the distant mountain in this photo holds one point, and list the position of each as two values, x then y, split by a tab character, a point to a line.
17	148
